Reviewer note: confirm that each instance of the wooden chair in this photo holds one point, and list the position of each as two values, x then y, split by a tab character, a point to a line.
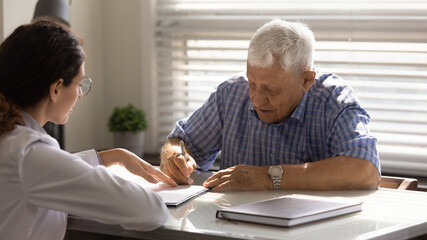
399	183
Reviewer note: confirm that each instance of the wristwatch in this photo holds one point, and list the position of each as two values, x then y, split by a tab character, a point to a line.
276	173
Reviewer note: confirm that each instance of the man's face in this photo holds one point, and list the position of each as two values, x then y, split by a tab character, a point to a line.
274	93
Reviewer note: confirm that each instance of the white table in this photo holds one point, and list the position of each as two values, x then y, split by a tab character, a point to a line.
386	214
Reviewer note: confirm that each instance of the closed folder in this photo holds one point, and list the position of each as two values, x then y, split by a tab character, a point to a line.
291	210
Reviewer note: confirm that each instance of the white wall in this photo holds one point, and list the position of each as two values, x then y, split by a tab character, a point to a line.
83	129
15	13
1	21
115	60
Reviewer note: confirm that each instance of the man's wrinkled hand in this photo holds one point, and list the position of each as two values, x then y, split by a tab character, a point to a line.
175	166
240	178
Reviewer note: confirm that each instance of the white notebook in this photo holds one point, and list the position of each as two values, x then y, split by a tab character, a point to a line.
172	196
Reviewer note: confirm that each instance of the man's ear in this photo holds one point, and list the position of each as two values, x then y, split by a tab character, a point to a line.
309	77
54	90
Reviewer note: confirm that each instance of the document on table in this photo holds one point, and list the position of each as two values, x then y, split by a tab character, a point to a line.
172	196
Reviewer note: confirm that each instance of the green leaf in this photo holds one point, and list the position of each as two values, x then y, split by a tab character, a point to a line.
127	118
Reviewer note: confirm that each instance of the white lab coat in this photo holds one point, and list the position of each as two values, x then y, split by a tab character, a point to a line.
40	184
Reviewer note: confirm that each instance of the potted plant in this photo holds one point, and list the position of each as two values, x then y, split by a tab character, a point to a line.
128	125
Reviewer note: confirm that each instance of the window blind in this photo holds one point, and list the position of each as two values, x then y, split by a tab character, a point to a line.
378	46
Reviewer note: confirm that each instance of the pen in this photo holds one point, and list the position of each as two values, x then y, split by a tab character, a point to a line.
185	155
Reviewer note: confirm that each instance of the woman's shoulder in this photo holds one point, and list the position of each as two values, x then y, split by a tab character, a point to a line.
23	136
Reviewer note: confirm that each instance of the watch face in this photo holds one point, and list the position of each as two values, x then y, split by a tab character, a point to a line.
275	171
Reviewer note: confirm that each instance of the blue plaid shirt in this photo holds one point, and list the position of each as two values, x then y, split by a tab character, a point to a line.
328	122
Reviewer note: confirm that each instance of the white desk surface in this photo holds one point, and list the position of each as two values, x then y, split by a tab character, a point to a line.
386	214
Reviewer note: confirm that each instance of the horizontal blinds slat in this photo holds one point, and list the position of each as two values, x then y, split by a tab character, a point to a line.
319	60
371	47
186	79
170	49
389	85
370	58
338	47
170	109
403	160
397	139
375	35
416	129
398	119
325	2
418	36
174	89
250	21
206	69
393	96
396	108
203	36
169	99
168	119
294	7
376	72
203	58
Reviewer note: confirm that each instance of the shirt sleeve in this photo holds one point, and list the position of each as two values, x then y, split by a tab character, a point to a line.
55	179
202	132
90	156
350	136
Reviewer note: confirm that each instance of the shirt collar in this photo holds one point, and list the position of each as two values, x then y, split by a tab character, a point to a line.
30	122
298	113
300	110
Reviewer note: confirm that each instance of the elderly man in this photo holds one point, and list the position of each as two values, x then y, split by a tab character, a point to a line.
282	125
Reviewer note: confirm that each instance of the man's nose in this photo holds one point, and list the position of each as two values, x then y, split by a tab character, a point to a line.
259	98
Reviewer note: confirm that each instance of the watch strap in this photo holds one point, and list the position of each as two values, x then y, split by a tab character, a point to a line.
277	184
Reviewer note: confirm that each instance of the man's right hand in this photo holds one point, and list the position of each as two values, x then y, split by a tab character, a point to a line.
173	162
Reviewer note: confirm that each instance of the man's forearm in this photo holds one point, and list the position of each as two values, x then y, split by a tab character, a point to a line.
337	173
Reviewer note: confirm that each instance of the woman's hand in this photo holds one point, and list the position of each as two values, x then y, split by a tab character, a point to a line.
135	165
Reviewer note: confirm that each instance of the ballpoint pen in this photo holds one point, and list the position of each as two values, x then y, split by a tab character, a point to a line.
185	156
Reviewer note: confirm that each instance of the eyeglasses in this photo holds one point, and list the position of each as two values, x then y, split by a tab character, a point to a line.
85	86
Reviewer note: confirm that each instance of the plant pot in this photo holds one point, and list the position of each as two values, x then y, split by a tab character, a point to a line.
131	141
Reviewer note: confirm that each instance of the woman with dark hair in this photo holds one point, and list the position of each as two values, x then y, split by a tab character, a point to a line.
41	77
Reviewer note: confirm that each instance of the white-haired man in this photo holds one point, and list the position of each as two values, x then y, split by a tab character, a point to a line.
282	125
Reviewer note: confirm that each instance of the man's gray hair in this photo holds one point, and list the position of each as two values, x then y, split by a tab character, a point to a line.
290	42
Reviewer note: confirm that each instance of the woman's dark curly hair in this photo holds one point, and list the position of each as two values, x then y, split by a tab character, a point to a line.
32	58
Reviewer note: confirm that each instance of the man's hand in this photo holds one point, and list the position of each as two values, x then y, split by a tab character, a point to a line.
173	162
240	178
135	165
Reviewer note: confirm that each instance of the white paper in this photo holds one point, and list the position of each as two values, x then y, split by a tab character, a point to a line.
172	196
